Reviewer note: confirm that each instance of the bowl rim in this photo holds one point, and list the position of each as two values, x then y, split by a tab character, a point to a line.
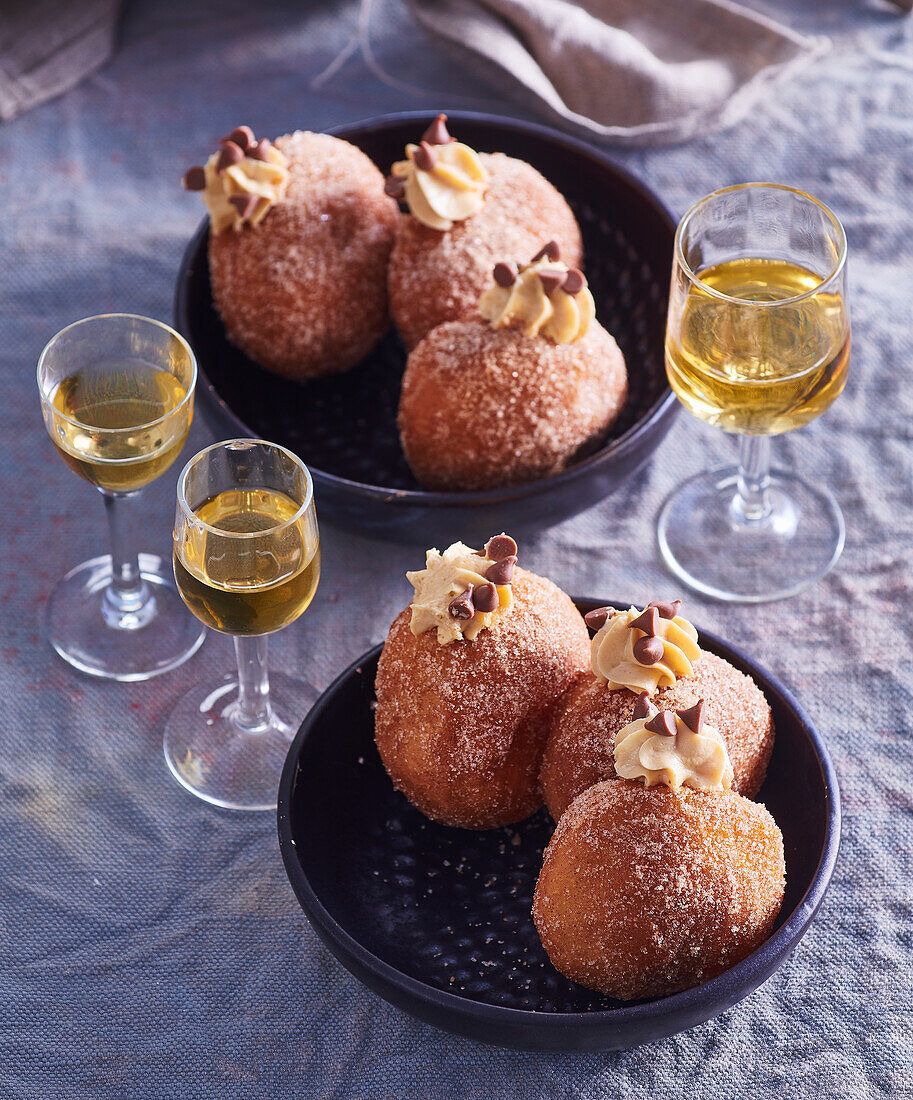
665	404
746	975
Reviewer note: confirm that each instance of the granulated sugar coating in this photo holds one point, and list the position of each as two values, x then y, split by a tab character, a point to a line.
580	748
304	293
645	892
461	727
483	407
438	276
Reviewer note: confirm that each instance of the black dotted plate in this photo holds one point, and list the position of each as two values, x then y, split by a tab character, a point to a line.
344	426
437	920
489	949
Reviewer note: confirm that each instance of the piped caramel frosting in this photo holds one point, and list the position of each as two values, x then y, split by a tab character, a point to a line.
643	650
460	592
678	748
441	180
241	182
542	297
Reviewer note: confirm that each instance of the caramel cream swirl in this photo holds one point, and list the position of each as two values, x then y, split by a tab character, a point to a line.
460	592
613	658
543	296
241	182
442	184
684	758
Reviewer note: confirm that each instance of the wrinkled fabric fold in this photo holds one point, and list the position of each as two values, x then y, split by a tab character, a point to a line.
632	71
48	46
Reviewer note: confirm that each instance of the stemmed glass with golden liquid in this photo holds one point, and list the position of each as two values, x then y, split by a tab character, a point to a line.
117	399
247	563
757	343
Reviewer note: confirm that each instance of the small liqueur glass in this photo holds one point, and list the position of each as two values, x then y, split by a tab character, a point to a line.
117	399
247	563
757	343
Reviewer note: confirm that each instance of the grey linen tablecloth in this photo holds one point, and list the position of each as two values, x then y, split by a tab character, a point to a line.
150	946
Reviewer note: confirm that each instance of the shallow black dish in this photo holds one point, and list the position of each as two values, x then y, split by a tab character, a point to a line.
437	920
344	426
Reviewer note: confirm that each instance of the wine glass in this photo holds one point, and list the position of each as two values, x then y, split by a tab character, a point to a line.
117	399
247	563
757	343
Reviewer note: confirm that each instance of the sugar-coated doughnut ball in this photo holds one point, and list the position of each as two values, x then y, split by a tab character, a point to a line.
484	407
438	276
580	748
461	727
304	293
648	891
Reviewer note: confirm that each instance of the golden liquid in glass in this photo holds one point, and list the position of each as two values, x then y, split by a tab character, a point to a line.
760	371
126	395
247	585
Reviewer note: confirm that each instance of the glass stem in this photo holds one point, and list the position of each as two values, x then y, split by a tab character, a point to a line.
252	711
751	505
127	592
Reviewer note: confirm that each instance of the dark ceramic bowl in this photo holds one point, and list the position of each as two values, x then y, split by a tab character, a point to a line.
437	920
344	426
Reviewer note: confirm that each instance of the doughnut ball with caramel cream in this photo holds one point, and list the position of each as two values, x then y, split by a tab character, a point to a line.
645	891
517	396
300	239
468	681
465	211
625	669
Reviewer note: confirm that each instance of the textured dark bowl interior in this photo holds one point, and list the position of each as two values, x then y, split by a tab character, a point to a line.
437	920
344	426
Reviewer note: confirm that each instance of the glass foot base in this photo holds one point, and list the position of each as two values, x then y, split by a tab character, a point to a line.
721	553
219	761
87	630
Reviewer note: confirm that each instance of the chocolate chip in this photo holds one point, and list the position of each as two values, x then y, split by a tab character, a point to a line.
244	204
231	154
437	134
643	708
242	136
260	151
425	157
647	651
551	280
596	619
550	249
693	717
462	607
574	281
502	571
647	621
663	723
500	547
195	178
666	610
505	274
485	597
395	187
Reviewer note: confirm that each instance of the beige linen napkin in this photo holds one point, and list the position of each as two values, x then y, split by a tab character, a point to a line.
638	71
47	46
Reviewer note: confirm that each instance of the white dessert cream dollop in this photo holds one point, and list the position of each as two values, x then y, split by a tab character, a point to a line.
643	650
241	182
461	592
544	297
441	180
678	748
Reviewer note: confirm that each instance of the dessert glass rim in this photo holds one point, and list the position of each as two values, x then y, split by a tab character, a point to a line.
48	395
695	278
248	442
